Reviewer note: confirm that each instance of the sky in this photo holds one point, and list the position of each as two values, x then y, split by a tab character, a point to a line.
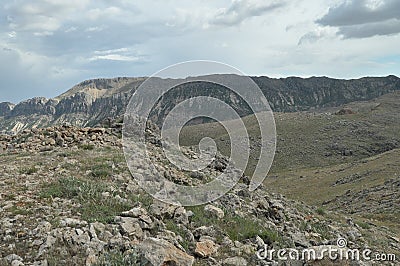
47	46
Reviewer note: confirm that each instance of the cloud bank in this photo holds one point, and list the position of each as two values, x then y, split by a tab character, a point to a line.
364	18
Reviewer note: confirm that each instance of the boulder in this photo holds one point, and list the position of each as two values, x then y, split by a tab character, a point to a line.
161	252
205	248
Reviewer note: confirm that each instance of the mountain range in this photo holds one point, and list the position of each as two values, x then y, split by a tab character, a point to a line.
94	102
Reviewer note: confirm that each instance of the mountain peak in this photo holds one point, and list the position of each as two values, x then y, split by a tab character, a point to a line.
99	87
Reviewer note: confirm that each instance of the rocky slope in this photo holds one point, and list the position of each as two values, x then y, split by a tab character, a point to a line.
93	102
68	198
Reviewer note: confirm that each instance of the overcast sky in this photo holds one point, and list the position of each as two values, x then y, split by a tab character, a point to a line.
47	46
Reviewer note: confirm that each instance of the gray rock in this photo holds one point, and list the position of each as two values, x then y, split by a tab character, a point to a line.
130	226
17	263
13	257
181	216
235	261
71	222
40	263
135	212
42	228
214	212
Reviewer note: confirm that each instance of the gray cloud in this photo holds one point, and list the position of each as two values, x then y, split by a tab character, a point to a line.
364	18
388	27
241	10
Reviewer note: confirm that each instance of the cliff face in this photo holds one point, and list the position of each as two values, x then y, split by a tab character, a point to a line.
95	101
297	94
6	108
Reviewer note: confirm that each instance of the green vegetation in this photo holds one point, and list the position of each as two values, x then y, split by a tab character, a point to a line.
22	210
363	225
94	206
317	227
28	170
117	258
321	211
87	147
174	227
237	227
70	188
101	171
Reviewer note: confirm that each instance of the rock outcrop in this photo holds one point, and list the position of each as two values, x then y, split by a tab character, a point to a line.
6	108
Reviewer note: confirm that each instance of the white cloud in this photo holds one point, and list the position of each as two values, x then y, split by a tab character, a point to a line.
115	57
94	29
98	13
119	50
12	34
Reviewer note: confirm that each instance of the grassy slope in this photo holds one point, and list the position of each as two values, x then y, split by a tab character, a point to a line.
309	158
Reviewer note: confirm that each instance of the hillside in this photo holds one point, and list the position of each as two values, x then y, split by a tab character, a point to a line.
344	158
69	199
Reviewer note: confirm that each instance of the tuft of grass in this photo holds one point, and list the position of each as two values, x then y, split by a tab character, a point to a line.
145	199
20	211
101	170
363	225
321	211
9	197
28	170
241	228
316	227
173	227
65	188
102	210
117	258
94	207
238	228
87	147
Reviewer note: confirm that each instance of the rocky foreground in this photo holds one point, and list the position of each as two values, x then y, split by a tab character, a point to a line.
68	198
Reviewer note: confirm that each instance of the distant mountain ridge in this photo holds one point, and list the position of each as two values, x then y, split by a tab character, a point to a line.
95	101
